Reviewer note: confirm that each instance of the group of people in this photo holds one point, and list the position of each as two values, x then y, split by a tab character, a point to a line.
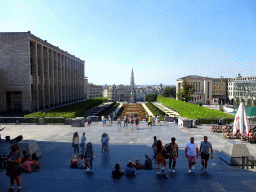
151	120
133	120
86	156
132	167
109	118
20	162
170	151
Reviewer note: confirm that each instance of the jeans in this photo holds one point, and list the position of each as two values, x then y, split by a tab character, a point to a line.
126	123
83	147
76	148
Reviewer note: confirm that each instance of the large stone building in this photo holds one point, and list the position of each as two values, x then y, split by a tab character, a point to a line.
207	90
117	93
36	75
94	91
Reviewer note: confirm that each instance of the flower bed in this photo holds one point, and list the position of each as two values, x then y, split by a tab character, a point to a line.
134	108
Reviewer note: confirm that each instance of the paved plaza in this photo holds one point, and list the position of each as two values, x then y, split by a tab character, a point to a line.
125	145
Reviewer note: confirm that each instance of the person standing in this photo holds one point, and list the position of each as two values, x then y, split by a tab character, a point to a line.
75	142
102	119
14	167
191	152
109	119
154	120
149	121
137	122
172	148
131	120
159	156
125	121
158	119
204	152
146	117
89	121
89	155
119	122
154	146
83	139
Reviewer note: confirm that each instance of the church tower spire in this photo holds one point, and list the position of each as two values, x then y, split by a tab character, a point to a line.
132	92
132	80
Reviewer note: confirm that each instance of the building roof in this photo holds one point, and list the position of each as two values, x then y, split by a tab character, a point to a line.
193	77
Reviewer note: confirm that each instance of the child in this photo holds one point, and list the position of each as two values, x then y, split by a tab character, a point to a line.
74	162
117	173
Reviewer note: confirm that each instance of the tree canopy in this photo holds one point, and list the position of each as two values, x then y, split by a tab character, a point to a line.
151	97
169	92
186	91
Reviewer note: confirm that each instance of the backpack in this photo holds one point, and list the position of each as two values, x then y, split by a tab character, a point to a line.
168	147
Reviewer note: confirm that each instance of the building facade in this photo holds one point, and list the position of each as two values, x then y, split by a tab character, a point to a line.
94	91
37	75
207	90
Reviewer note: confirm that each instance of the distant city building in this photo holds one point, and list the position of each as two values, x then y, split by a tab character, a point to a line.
36	74
94	91
207	90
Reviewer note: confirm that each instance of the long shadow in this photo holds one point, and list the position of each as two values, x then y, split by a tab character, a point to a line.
57	176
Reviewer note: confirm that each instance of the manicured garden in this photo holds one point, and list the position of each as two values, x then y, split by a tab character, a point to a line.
192	111
70	111
155	110
134	108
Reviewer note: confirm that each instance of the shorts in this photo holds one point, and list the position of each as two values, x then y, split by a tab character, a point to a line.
104	144
192	159
172	158
205	156
104	121
13	173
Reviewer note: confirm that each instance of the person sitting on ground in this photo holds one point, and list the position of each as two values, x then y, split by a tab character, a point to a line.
137	164
35	166
24	155
26	165
117	173
74	162
81	162
104	141
148	162
130	170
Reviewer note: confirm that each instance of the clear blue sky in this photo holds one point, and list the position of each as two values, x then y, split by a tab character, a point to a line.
161	40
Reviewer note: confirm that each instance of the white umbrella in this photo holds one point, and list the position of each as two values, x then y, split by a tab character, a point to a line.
241	122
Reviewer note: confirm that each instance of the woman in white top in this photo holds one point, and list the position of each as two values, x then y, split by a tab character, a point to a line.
75	142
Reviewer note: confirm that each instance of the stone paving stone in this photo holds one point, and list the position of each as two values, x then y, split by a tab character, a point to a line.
125	144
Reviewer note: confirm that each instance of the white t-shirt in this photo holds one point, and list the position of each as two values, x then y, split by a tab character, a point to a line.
191	148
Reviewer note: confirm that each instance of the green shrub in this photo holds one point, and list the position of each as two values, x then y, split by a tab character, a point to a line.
208	121
54	120
70	111
31	119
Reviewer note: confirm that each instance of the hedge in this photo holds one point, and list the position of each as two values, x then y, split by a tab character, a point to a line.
192	111
155	110
70	111
214	120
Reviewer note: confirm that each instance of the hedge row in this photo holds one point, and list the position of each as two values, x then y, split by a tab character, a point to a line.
155	110
214	120
70	111
192	111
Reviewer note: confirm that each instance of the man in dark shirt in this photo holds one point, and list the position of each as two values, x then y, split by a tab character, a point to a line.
148	162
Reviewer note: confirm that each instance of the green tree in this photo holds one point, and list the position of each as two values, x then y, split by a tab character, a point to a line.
151	97
169	92
186	91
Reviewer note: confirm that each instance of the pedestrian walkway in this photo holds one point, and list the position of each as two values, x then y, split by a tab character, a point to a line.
147	109
125	144
166	109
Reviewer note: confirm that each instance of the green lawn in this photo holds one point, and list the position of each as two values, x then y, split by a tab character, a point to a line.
70	111
192	111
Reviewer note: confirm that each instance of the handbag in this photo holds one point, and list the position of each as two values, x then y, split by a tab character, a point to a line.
166	156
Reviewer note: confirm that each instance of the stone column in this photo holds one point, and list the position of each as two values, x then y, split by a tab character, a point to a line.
56	88
41	76
46	77
51	65
60	77
34	65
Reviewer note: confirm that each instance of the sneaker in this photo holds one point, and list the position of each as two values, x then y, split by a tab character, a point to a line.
189	171
193	167
158	172
170	170
162	169
202	169
88	169
205	171
173	171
